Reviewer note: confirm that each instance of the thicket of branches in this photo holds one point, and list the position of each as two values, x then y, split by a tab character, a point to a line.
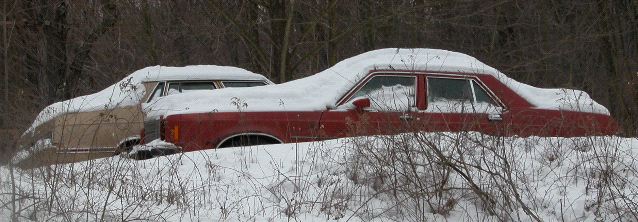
55	49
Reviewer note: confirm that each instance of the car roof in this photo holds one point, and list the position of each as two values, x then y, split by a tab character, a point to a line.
196	72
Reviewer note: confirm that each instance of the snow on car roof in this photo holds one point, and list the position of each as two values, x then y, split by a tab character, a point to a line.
129	91
324	89
196	72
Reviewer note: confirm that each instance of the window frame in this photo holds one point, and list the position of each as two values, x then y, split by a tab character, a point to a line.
422	85
471	79
152	94
349	95
221	83
169	83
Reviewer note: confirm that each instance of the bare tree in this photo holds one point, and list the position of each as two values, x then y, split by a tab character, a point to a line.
54	50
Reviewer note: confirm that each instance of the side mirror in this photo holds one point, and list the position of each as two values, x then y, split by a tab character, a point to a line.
361	104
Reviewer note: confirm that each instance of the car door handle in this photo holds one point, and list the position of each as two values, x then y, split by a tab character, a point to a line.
494	117
406	117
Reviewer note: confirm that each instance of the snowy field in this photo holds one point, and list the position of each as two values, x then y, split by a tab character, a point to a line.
407	177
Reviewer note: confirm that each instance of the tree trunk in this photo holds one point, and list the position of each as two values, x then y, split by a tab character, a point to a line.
55	30
253	34
368	30
148	34
281	12
5	44
82	53
332	33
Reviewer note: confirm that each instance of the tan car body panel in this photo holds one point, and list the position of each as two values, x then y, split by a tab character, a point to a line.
101	131
90	135
52	156
84	136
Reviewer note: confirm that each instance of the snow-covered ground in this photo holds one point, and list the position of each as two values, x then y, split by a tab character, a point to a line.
407	177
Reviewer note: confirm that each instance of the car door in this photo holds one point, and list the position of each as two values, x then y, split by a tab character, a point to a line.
101	130
392	104
459	103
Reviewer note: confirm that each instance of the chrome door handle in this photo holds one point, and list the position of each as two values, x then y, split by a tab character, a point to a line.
406	117
494	117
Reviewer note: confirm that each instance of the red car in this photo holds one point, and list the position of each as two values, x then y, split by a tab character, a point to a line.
386	91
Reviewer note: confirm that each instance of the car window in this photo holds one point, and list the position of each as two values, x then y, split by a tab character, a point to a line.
159	89
389	93
173	88
231	84
181	87
481	94
193	86
448	90
458	95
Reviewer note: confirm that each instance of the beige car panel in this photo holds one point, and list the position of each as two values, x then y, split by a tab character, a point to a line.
102	130
99	131
52	156
89	135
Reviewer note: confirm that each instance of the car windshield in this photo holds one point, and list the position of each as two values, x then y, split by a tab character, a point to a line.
159	90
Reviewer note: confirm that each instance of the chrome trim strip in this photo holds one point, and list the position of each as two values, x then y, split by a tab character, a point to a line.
85	150
248	134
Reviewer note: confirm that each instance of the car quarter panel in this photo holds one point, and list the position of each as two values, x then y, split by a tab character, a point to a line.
541	122
96	131
207	130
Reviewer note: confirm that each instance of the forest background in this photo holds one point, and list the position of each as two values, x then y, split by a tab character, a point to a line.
54	50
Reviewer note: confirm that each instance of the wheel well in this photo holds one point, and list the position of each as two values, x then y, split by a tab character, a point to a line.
248	139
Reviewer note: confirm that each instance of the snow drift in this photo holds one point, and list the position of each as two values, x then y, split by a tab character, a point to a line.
553	179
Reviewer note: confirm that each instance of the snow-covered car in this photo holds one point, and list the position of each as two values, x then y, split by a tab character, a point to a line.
385	91
101	124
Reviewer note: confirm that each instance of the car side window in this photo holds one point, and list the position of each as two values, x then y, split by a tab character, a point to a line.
173	88
181	87
157	93
194	86
389	93
481	95
232	84
449	90
457	95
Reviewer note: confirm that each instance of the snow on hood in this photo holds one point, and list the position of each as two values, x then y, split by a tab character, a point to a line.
324	89
129	91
